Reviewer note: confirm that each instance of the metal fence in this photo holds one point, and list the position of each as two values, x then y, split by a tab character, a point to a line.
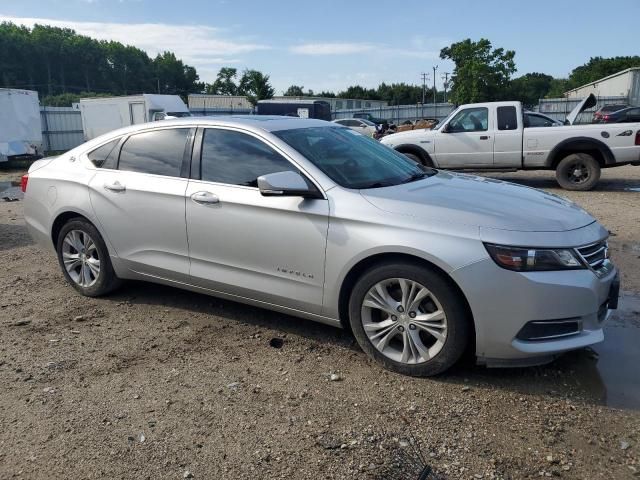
61	128
559	108
401	113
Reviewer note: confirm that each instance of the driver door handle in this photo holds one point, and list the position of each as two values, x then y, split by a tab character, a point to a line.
115	187
205	198
484	137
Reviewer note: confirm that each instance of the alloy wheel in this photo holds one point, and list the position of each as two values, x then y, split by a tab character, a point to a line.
80	257
404	320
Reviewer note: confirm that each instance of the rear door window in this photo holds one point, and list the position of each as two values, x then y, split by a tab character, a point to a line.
160	152
507	118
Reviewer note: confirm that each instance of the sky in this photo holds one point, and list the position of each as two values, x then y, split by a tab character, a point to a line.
331	44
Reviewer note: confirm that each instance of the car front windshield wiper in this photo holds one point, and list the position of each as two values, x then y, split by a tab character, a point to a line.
418	176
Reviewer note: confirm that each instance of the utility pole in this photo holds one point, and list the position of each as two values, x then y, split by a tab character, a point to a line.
445	77
434	84
425	78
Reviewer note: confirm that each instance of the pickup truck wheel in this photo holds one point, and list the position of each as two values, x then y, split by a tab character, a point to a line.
578	171
413	157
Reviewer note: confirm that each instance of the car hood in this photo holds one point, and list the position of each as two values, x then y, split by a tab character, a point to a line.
399	138
586	103
480	201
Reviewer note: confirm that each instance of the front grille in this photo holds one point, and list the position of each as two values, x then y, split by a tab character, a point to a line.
595	255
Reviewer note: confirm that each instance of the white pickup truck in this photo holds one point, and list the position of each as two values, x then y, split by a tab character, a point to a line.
492	136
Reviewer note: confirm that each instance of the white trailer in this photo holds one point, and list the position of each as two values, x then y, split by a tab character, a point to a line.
102	115
20	125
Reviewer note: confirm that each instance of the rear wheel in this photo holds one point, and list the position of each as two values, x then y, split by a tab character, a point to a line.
409	318
84	259
578	171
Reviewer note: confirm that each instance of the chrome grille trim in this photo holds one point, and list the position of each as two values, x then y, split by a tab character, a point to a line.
595	256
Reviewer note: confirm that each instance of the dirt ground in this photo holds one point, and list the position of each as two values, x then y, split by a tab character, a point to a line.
158	383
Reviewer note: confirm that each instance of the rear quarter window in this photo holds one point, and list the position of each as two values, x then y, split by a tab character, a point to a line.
105	156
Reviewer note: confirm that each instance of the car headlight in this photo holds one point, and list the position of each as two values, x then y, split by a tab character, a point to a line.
523	259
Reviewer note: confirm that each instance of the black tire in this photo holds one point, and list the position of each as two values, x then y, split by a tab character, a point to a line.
418	159
106	281
578	171
413	157
459	326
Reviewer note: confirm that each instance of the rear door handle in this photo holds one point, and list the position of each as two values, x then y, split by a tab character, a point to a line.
205	198
484	137
115	187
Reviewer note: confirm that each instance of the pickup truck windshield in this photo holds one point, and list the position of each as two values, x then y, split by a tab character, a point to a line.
351	159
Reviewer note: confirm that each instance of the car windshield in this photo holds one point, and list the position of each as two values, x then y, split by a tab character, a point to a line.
353	160
367	122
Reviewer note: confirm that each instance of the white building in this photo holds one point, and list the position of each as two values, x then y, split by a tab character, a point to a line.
341	103
622	84
229	102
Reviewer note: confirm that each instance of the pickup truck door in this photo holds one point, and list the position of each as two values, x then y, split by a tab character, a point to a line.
507	145
466	140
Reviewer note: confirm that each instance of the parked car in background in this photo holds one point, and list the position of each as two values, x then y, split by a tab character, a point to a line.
361	125
626	115
606	110
312	219
535	119
486	136
371	118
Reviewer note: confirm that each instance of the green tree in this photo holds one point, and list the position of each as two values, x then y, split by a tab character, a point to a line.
225	82
56	60
530	88
255	86
557	88
294	91
481	72
356	91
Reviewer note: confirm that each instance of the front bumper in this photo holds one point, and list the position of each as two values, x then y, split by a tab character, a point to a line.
504	302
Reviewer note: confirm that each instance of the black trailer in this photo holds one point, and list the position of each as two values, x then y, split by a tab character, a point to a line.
318	109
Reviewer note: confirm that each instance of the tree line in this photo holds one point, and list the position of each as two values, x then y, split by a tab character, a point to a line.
64	66
55	60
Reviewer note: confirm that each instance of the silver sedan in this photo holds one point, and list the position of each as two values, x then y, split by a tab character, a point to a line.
316	220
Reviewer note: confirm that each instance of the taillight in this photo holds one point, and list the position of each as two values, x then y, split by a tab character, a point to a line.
638	137
606	117
25	179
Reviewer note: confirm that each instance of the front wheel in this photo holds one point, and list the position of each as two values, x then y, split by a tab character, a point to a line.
409	318
578	171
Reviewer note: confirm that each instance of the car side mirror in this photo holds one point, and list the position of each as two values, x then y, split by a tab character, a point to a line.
445	128
286	184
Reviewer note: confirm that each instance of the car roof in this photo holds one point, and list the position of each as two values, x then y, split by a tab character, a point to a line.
255	123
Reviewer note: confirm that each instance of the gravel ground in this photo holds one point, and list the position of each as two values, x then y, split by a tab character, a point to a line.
154	382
